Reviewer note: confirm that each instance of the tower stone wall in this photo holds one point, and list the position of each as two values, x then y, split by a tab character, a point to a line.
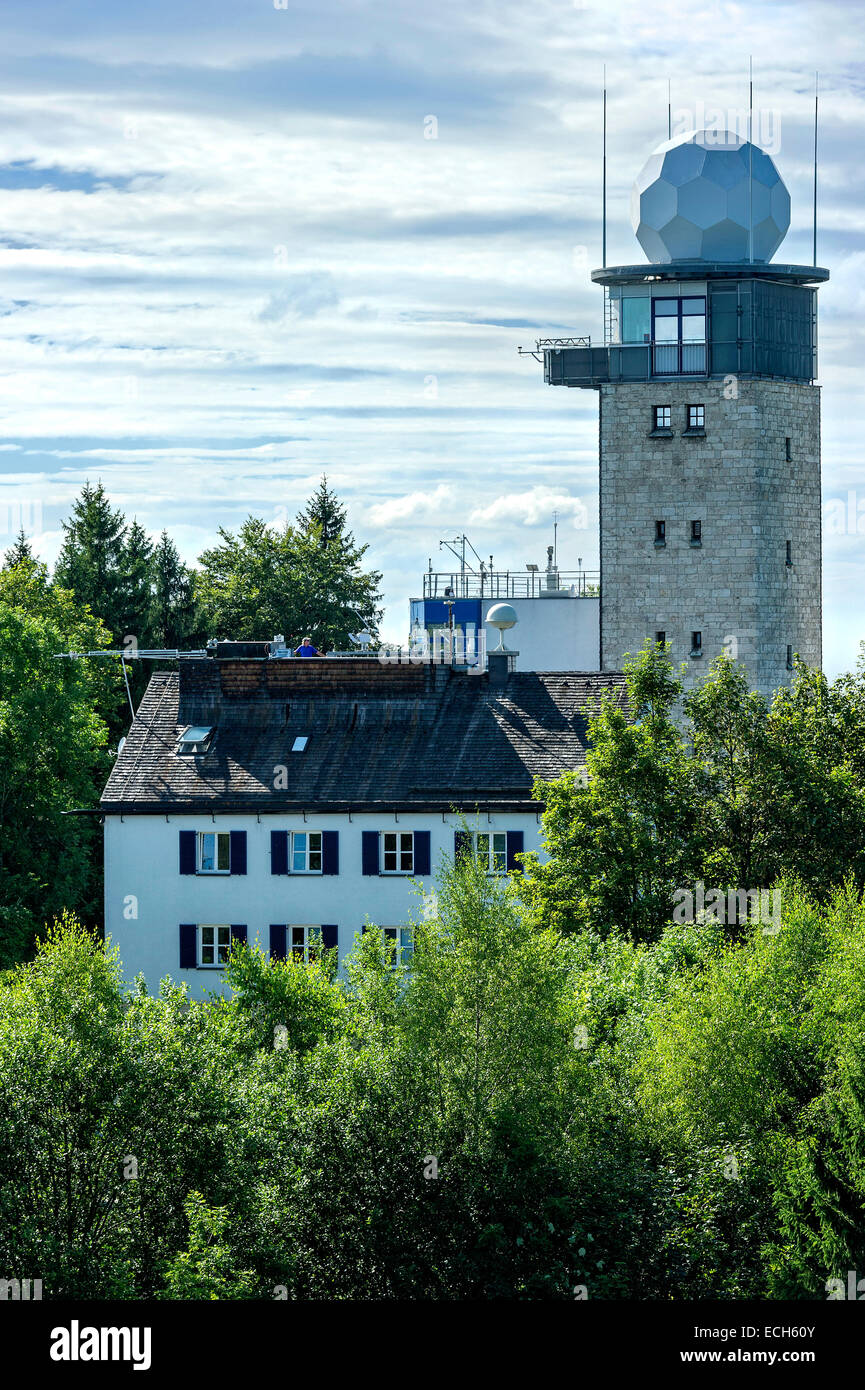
736	588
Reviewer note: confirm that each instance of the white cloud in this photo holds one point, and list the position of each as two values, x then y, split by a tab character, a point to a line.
182	334
532	508
300	296
412	506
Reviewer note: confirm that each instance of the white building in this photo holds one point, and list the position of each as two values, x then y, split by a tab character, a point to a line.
558	614
287	802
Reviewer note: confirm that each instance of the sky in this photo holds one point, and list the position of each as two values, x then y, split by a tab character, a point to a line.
247	242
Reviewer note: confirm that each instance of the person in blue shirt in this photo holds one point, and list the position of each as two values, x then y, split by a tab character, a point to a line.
306	648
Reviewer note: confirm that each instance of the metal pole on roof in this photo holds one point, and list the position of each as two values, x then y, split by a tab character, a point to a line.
604	179
816	95
750	159
128	691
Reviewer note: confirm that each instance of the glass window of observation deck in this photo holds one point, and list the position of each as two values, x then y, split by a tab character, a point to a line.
636	319
679	335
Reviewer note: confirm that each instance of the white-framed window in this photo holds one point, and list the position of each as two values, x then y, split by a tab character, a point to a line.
663	417
305	852
696	417
304	943
397	852
214	944
492	851
401	944
214	852
195	738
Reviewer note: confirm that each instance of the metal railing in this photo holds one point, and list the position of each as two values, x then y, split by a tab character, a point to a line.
506	584
568	362
621	361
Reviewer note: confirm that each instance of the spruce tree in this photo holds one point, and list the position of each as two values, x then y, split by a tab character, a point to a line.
136	585
261	581
21	550
324	516
91	559
173	620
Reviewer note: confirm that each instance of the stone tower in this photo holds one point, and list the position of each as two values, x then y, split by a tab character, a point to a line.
709	420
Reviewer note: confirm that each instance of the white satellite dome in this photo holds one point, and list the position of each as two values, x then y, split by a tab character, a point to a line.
502	616
696	194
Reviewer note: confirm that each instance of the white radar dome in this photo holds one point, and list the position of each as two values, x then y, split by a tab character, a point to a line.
696	196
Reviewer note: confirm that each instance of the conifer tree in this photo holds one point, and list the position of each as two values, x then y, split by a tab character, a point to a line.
21	550
173	622
91	559
136	585
324	516
261	581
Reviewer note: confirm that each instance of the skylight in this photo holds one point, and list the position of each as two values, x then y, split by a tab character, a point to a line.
299	745
194	739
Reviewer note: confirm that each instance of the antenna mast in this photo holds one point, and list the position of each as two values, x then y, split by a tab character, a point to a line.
750	159
669	113
604	179
816	97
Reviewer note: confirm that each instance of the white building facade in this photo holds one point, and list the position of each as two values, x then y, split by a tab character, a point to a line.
179	889
289	803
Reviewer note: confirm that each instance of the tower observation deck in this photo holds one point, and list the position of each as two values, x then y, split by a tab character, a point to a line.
709	460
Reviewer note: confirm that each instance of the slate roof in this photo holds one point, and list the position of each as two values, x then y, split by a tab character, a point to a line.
397	736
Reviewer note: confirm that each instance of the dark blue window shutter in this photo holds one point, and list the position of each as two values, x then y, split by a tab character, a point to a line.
330	852
188	946
422	863
238	934
279	851
187	851
515	847
278	939
329	937
237	861
462	843
369	851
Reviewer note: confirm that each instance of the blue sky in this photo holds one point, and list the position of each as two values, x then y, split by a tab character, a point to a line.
232	258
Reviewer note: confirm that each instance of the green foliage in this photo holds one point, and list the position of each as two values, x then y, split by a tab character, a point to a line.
301	581
485	1006
92	560
560	1089
112	1110
141	593
20	550
622	842
724	791
508	1114
53	755
324	517
282	1003
173	617
205	1269
753	1062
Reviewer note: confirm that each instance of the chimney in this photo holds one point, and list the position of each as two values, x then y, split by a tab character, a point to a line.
499	666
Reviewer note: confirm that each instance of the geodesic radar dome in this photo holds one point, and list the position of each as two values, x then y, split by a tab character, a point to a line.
691	199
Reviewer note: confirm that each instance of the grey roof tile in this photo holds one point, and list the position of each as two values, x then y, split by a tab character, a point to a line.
419	736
